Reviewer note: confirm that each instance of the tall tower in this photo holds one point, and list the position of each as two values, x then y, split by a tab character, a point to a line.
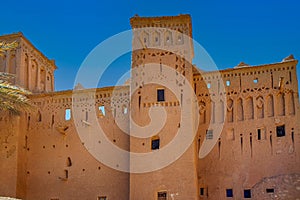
33	71
162	105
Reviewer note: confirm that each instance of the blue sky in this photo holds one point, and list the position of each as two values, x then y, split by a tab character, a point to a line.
256	31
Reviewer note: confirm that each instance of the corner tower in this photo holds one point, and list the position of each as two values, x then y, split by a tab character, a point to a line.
33	71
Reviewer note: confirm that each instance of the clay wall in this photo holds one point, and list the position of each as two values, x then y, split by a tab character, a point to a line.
256	100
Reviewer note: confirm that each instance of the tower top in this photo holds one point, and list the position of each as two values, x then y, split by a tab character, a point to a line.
181	23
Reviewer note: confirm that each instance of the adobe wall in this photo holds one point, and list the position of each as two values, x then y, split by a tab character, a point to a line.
59	165
240	159
8	145
13	159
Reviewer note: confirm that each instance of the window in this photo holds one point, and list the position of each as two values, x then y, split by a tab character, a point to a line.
280	82
270	190
247	194
125	110
69	162
66	174
258	134
102	110
201	191
179	38
155	143
162	196
227	83
229	193
67	114
208	85
280	131
209	134
168	39
39	116
160	95
255	80
102	198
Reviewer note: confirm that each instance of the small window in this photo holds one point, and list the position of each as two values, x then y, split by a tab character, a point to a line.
247	194
280	131
255	80
67	114
208	85
69	162
270	190
162	196
125	110
209	134
66	174
155	143
201	191
102	110
227	83
145	40
39	116
102	198
160	95
179	38
258	134
229	193
280	82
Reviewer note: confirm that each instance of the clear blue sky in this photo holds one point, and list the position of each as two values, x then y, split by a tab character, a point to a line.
256	31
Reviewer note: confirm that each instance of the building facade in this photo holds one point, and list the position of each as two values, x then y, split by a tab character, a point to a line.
223	134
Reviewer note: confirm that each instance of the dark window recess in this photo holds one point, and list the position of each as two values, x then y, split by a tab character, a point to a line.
155	144
259	134
69	162
229	193
280	131
247	194
102	198
66	174
39	116
209	134
201	191
160	95
270	190
161	195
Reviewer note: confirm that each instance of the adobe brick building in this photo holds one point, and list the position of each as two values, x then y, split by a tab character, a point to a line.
229	134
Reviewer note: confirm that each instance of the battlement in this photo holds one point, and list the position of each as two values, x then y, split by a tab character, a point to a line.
33	70
180	23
